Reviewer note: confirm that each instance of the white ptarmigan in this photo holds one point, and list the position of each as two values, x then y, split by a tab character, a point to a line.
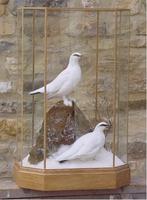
65	82
87	146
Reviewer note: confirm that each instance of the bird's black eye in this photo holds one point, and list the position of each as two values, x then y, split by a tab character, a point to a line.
76	55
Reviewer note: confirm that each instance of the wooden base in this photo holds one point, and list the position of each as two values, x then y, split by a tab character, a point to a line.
71	179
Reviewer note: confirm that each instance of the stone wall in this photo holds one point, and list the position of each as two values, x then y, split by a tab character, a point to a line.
9	76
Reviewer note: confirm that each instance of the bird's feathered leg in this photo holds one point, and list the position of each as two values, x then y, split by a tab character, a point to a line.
67	101
72	99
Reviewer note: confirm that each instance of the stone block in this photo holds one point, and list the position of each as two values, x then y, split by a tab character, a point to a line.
137	126
138	168
3	149
137	58
3	166
137	150
11	65
8	107
2	10
8	128
137	81
7	25
138	42
138	25
88	3
4	1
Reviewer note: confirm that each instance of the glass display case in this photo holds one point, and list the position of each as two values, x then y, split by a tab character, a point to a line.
55	123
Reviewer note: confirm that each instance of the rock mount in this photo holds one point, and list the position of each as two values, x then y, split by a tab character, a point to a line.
63	124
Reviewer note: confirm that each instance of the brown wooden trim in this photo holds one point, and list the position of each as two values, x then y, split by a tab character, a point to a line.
72	179
74	9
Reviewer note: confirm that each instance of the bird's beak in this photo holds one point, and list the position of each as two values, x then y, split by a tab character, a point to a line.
109	126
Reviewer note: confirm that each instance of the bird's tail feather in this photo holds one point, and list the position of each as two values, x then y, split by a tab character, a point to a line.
34	92
62	161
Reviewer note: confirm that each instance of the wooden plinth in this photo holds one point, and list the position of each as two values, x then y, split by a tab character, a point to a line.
71	179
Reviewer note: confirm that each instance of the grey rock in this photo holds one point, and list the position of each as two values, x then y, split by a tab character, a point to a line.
64	125
5	46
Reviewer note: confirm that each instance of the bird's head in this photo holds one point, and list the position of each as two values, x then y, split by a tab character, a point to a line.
102	126
75	57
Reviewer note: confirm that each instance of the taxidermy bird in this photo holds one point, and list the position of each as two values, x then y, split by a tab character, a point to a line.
65	82
87	146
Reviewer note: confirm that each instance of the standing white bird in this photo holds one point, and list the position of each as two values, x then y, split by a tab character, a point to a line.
87	146
65	82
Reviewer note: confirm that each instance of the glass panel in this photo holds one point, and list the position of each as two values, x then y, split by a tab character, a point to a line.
19	88
33	75
63	40
106	72
26	69
100	96
122	64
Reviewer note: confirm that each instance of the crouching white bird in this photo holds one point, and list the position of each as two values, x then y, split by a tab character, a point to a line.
87	146
65	82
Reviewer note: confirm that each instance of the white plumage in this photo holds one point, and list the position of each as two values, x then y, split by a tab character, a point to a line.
65	82
87	146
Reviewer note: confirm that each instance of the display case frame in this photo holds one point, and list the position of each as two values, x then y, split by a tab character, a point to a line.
71	179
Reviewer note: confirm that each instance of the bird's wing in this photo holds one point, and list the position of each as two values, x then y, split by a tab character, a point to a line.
58	82
65	88
54	85
67	155
84	150
90	146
